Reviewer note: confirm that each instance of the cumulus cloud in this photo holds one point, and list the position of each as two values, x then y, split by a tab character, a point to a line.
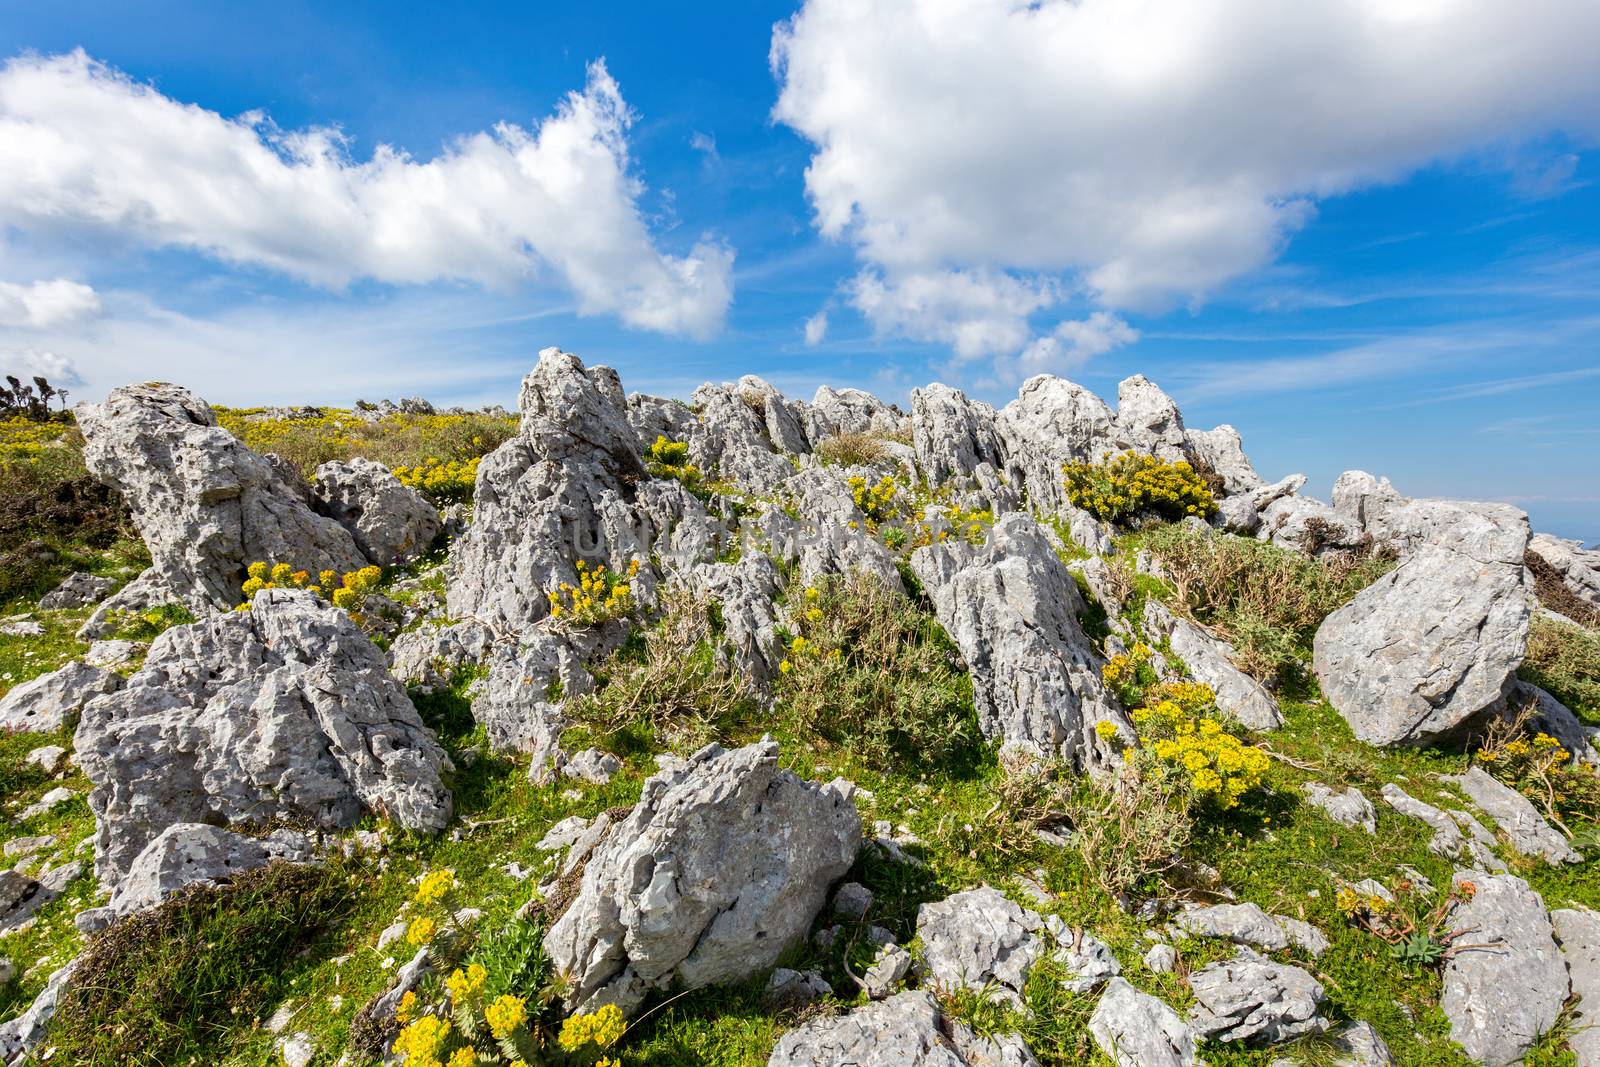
86	146
1070	345
1145	152
816	328
47	304
26	362
977	313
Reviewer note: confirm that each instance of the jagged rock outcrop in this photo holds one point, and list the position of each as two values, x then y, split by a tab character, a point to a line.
519	703
390	521
719	869
1429	649
286	710
1052	422
1577	930
1012	609
51	701
1248	924
1251	998
1516	817
952	435
1210	660
1576	567
907	1030
836	411
1222	450
77	590
1501	996
731	439
19	1037
981	941
558	492
1148	420
431	654
1138	1030
205	505
1310	526
746	592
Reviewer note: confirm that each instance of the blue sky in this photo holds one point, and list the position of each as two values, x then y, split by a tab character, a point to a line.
1366	238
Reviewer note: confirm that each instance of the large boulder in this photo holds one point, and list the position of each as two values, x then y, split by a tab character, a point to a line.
1012	609
283	711
1222	450
1148	420
390	521
907	1030
1138	1030
558	492
1429	649
836	411
206	505
1507	988
1210	660
1052	422
717	871
55	700
1578	931
952	435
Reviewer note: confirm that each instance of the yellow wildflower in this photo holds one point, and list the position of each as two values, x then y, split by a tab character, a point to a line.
505	1015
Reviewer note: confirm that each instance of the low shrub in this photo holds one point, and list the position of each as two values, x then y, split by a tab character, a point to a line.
441	481
852	450
1132	830
879	501
166	984
1565	660
55	518
670	459
348	591
1268	601
1133	484
869	670
398	440
599	596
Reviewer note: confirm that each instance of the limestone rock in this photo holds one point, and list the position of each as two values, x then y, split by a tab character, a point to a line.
1430	648
1578	931
20	1036
1251	998
286	710
1222	450
48	758
790	990
1308	526
1161	959
432	654
591	765
1455	834
1137	1030
731	439
1148	420
906	1030
76	591
52	701
1210	660
1364	499
1012	609
186	853
747	593
113	653
981	941
206	505
1248	924
1576	566
1517	818
1500	998
519	704
390	521
719	869
1349	808
1052	422
887	971
952	435
143	593
837	411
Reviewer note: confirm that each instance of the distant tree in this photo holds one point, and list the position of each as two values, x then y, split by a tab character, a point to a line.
18	399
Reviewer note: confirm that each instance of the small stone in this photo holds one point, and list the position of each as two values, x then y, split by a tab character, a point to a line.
1137	1030
1349	808
1250	997
48	758
852	900
888	970
390	934
592	765
1161	959
46	803
108	654
790	990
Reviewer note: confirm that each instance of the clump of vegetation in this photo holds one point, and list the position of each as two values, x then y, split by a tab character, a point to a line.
1414	929
879	501
348	591
670	459
400	439
600	595
1540	768
1183	730
442	481
674	682
852	450
1132	484
149	624
1268	601
1554	594
865	668
1565	660
32	402
168	983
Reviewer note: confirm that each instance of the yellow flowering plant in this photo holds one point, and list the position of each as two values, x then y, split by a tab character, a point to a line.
670	459
1132	484
1542	769
600	595
1129	673
879	501
442	481
1182	731
348	591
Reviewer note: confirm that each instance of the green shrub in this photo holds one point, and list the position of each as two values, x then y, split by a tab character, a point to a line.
1267	600
1565	660
869	670
1133	484
168	983
670	459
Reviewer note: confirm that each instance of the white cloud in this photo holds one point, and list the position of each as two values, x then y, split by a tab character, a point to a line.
44	305
85	146
26	362
816	328
977	313
1070	345
1148	151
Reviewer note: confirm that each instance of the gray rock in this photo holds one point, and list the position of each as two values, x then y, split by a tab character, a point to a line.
906	1030
1210	660
1161	959
1517	818
1578	567
519	704
1501	997
591	765
1012	609
55	700
1578	932
78	590
297	1050
837	411
1086	960
952	435
1455	834
657	899
286	710
888	970
1138	1030
1089	532
852	900
46	804
563	833
837	549
1248	924
106	654
790	990
1429	649
785	426
1349	808
206	505
746	592
433	654
1251	998
1365	500
22	628
1308	526
390	521
731	440
1148	420
20	1036
550	496
27	846
186	853
1052	422
1360	1045
1550	716
1222	450
48	758
1238	514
